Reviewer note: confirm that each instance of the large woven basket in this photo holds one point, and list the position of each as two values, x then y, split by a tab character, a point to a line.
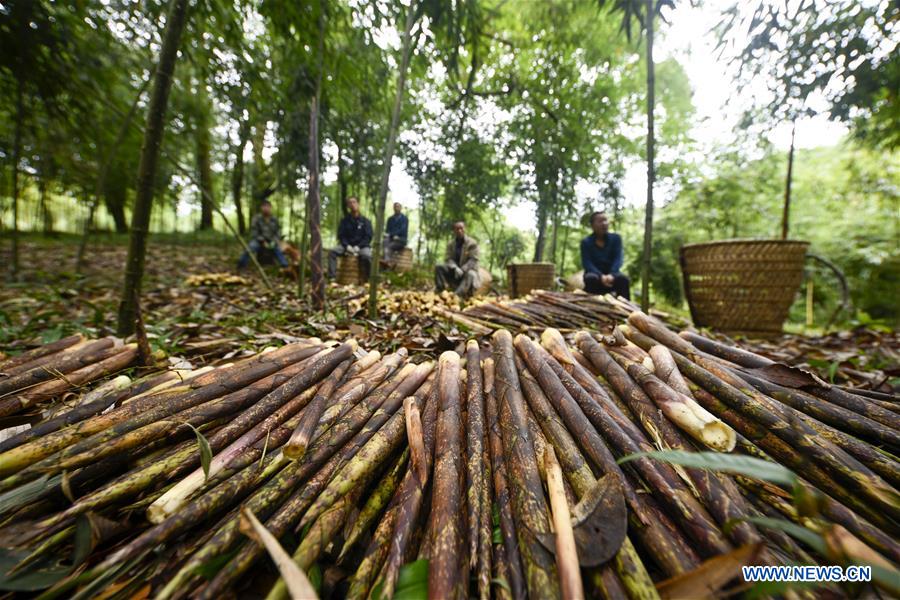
348	271
524	277
742	286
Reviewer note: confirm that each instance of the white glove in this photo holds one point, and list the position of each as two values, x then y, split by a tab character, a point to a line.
458	271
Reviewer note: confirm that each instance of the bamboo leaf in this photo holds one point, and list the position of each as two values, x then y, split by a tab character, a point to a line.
205	450
810	538
726	463
775	589
711	576
84	540
27	493
412	581
39	576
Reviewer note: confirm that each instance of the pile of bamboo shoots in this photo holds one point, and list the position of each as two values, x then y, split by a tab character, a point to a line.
30	380
501	467
566	311
412	302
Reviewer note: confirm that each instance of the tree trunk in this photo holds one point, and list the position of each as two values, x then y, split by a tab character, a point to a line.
204	164
237	174
304	236
46	213
388	159
17	157
314	205
785	215
153	134
259	165
648	216
114	197
542	227
342	178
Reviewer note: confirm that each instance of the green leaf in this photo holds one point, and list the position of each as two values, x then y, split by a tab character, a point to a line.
412	581
776	589
38	576
210	568
726	463
205	450
832	370
810	538
27	493
84	540
501	581
314	574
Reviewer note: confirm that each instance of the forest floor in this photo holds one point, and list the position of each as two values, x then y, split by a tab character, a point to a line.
194	302
188	313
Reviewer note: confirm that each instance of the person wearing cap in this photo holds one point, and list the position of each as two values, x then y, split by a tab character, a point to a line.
265	233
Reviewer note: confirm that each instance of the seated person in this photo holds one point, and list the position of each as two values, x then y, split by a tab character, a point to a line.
460	269
601	258
265	233
354	238
395	234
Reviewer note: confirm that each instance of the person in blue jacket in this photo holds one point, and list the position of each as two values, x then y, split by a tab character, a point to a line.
396	234
601	258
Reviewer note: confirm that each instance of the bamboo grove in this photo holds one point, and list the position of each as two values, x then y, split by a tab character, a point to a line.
543	462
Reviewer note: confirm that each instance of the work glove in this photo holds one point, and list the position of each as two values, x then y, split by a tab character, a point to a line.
458	271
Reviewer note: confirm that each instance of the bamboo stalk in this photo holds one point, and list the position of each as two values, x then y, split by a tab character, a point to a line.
406	505
66	362
345	439
153	407
566	553
445	570
478	510
376	502
508	529
525	485
20	360
302	436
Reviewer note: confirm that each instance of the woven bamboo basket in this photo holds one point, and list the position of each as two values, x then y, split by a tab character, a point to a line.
403	260
524	277
348	272
742	286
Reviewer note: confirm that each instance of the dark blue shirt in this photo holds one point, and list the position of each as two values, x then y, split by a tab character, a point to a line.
355	231
398	225
603	261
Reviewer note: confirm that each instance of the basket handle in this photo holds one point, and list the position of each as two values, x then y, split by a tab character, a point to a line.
842	279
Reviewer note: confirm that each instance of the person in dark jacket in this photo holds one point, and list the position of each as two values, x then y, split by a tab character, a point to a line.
265	232
354	238
601	258
396	233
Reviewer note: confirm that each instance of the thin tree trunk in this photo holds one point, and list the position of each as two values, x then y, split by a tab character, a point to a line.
785	215
411	16
258	142
542	227
204	164
317	277
648	216
17	157
153	134
304	236
46	214
237	174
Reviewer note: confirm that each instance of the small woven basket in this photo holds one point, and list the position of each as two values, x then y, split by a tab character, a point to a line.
348	272
524	277
742	286
403	260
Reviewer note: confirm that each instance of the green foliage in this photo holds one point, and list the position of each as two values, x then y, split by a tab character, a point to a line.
843	50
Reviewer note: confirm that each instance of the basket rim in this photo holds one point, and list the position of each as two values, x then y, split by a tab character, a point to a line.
745	241
531	264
